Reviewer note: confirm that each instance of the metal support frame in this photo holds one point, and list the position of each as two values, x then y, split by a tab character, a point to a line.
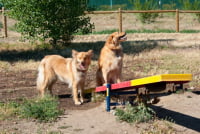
108	97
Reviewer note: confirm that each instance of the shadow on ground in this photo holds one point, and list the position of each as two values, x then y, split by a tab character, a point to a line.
129	47
178	118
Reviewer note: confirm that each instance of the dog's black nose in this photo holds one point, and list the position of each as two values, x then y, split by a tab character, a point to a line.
82	63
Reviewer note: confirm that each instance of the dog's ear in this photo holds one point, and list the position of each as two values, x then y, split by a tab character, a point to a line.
74	53
113	37
90	52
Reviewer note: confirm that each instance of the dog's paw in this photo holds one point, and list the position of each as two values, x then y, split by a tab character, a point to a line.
78	103
82	101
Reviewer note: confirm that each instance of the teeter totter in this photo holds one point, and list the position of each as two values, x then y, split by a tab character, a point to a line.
153	84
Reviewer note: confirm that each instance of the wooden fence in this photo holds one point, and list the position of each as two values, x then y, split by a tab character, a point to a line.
119	14
4	23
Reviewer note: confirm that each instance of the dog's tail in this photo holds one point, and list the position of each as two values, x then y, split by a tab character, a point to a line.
41	75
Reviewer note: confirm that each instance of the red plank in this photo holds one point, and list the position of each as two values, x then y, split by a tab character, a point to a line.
120	85
100	89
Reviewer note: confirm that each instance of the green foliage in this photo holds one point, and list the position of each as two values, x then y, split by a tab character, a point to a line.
135	114
146	5
53	19
45	109
105	31
8	110
171	6
114	7
1	25
191	5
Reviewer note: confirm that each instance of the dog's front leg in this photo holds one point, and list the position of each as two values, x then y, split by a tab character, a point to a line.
119	78
81	92
75	94
105	77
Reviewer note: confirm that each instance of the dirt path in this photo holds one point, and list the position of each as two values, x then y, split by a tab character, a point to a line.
182	109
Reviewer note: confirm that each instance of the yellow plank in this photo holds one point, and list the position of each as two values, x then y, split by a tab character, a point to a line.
160	78
176	77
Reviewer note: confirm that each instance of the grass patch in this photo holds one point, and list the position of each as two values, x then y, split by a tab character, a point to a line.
1	25
144	31
135	114
189	31
9	110
151	31
43	110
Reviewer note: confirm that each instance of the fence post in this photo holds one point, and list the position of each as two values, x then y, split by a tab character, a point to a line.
4	19
120	20
177	20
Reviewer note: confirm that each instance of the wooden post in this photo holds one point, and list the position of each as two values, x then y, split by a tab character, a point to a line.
4	19
177	20
120	20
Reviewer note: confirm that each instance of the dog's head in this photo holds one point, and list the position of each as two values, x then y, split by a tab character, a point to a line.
115	38
82	59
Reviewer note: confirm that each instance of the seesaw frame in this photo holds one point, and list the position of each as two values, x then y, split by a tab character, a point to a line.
143	82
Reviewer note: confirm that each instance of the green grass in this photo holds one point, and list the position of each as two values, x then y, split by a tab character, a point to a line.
151	31
43	110
9	110
1	25
144	31
135	114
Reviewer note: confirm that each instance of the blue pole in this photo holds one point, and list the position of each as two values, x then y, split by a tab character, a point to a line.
108	97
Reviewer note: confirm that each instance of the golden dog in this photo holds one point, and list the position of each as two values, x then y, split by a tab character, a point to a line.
110	60
69	70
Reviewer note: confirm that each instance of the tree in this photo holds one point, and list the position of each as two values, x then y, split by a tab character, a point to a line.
54	19
146	5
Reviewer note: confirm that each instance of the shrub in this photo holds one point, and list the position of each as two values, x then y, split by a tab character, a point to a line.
55	19
136	114
146	5
45	109
114	7
191	5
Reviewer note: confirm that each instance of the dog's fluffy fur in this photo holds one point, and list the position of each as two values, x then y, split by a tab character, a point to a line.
110	60
69	70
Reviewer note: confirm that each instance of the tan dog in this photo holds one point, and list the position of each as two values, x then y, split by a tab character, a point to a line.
69	70
110	60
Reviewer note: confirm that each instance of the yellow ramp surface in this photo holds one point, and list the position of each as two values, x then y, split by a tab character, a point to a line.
162	78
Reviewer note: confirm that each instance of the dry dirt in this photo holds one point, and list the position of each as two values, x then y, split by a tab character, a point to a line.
91	118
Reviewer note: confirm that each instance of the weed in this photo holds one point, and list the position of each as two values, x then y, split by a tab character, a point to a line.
135	114
54	132
78	130
8	110
98	97
44	110
64	127
160	127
